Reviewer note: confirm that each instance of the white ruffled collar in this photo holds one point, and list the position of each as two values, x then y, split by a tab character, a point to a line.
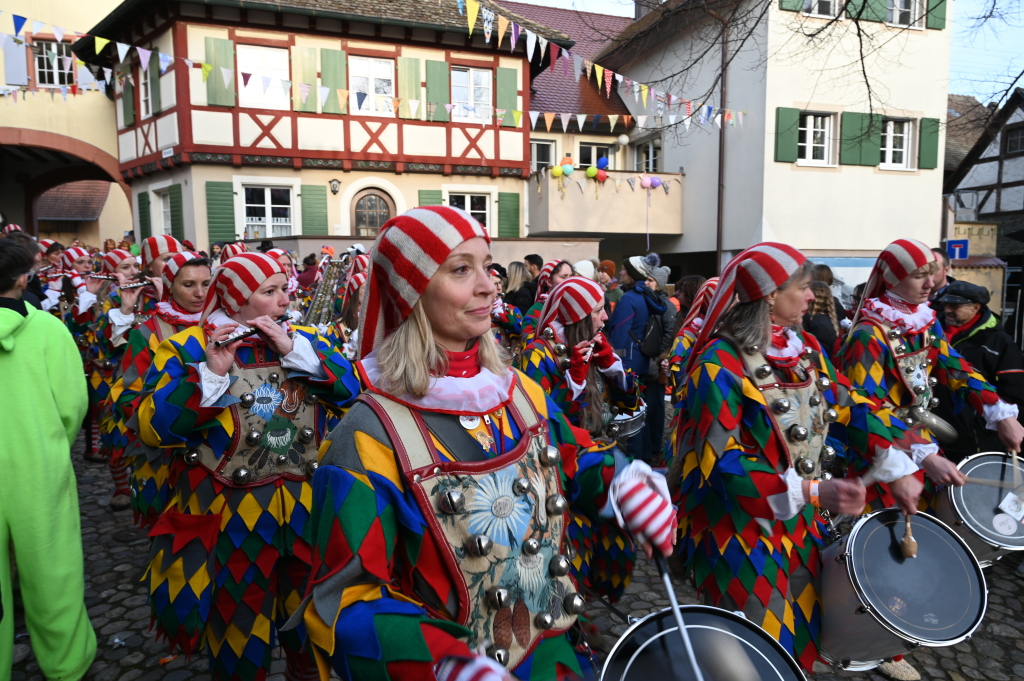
879	311
481	394
794	346
167	311
219	317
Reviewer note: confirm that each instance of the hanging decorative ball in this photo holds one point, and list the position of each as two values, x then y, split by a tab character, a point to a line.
499	655
763	371
192	457
242	476
559	566
804	466
814	400
823	384
531	546
602	175
831	416
556	171
557	505
521	487
602	163
592	171
306	435
550	456
544	620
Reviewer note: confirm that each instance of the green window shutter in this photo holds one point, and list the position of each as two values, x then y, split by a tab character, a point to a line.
787	124
430	197
852	128
928	151
508	93
128	102
333	75
145	225
177	213
868	10
314	209
439	91
409	87
791	5
936	14
220	211
220	54
871	144
154	83
508	215
304	71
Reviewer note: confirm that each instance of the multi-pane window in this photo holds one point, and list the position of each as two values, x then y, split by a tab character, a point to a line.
165	213
267	67
145	98
647	156
471	94
474	204
902	12
371	84
1014	140
590	153
820	8
814	139
268	212
54	64
541	153
370	211
895	143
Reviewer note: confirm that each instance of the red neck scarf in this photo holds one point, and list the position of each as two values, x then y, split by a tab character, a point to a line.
952	331
779	339
464	364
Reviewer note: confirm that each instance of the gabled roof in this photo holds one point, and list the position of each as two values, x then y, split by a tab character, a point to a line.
965	121
664	21
75	201
995	123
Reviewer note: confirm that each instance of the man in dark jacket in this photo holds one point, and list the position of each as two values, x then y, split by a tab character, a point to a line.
974	331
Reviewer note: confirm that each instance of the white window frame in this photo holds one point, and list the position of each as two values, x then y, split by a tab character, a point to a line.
254	59
460	114
240	182
610	156
492	202
916	14
165	211
386	111
145	87
811	7
803	149
887	137
638	165
42	63
533	153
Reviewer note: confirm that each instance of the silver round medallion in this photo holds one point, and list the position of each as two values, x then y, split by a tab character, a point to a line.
804	466
306	435
782	405
798	433
823	383
573	604
499	598
531	546
559	566
550	456
814	400
452	501
248	399
544	620
242	476
521	487
191	456
763	371
557	505
831	416
253	437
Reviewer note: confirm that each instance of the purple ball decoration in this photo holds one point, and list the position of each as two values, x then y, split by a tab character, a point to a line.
655	182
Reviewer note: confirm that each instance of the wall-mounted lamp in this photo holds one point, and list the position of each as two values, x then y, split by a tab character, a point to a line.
335	185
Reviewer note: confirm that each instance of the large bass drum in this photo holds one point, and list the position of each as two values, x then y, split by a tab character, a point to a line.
652	650
877	604
987	518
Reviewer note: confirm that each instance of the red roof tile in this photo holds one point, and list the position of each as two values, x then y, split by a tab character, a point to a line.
79	201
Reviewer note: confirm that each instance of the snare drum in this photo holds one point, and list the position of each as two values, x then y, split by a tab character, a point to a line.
987	518
877	604
626	425
652	650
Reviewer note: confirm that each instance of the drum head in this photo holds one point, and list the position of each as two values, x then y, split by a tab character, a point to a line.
726	646
937	598
991	513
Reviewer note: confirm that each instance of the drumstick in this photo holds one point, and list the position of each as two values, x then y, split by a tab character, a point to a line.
1016	468
993	483
909	544
659	560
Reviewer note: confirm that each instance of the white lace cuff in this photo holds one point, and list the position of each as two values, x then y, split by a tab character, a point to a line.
994	413
86	299
212	385
51	300
119	324
787	504
303	358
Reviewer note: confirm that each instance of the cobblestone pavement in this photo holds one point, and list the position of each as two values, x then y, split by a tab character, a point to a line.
116	555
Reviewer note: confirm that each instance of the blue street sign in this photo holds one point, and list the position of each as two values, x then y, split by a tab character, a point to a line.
957	249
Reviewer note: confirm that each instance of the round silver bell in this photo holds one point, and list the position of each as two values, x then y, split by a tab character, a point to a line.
557	505
901	349
823	383
107	365
311	467
781	406
573	604
191	456
560	348
549	333
248	399
908	370
909	421
814	400
564	364
452	501
242	476
895	333
809	352
550	456
798	433
825	475
763	371
932	338
828	453
499	598
499	655
932	403
614	410
479	545
559	566
253	437
613	429
306	435
531	546
804	466
521	487
570	550
752	349
928	362
282	459
831	416
544	620
919	389
274	377
932	381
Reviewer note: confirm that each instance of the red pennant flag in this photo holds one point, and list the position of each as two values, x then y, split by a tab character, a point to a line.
245	79
554	55
608	75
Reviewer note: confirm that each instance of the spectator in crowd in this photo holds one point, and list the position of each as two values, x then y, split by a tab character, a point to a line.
534	264
657	378
39	517
976	333
612	292
942	278
686	289
821	319
308	274
586	268
840	292
517	291
133	247
33	294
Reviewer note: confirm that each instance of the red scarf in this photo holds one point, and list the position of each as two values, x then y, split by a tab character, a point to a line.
952	331
779	339
464	364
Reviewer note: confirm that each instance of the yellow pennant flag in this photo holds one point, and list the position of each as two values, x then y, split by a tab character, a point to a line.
206	71
502	27
613	119
599	72
643	93
472	9
99	43
517	116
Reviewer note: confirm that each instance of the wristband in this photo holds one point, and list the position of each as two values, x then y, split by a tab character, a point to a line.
813	494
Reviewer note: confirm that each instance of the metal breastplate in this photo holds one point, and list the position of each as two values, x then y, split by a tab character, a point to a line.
501	525
798	412
274	429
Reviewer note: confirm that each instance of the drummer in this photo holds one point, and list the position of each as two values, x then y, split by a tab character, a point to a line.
760	400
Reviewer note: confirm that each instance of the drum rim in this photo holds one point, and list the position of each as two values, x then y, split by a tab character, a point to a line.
960	511
862	595
728	614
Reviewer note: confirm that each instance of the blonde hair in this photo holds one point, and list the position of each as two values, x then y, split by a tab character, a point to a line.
929	268
410	357
823	303
517	276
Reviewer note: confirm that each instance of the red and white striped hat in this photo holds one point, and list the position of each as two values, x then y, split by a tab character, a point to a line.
45	244
701	302
569	302
408	251
12	228
237	279
544	278
895	264
360	264
356	277
155	246
171	268
67	261
113	258
750	276
231	250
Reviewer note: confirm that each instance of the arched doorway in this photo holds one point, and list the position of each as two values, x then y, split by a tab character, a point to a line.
371	208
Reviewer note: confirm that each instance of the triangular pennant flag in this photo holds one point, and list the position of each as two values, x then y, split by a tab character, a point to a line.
165	62
718	120
488	23
741	114
131	79
599	72
577	63
67	62
641	121
597	117
632	183
19	23
343	99
658	122
64	93
686	122
689	106
628	84
619	79
58	33
360	98
245	79
636	91
414	107
188	63
542	43
580	120
566	58
613	120
643	93
286	86
206	71
472	10
588	66
52	56
531	44
728	118
710	110
626	120
325	92
515	36
38	26
502	27
549	118
664	185
266	82
395	103
582	182
144	56
462	6
671	119
122	51
106	74
227	75
565	118
554	55
534	115
608	83
517	116
449	107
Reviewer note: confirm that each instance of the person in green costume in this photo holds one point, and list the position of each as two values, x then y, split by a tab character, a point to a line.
40	414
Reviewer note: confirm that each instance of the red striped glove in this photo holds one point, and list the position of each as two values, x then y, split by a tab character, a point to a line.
479	668
78	282
642	505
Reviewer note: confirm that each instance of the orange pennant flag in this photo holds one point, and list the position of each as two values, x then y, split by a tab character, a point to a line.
549	118
502	27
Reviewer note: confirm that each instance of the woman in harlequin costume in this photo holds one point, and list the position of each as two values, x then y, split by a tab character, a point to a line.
231	552
231	250
351	300
551	275
761	398
506	320
441	499
186	280
284	259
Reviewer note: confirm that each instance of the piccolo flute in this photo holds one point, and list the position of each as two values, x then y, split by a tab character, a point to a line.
245	334
45	269
104	277
140	284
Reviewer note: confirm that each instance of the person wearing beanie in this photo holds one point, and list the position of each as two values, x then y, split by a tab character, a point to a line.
751	497
231	554
418	560
657	375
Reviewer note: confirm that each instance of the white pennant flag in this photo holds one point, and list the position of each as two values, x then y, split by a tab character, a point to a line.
531	44
227	74
741	118
718	120
565	118
641	121
671	119
266	83
582	182
686	122
122	51
144	56
577	66
580	120
618	79
534	115
636	91
543	46
414	106
58	33
106	74
325	92
188	62
286	85
67	62
38	26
